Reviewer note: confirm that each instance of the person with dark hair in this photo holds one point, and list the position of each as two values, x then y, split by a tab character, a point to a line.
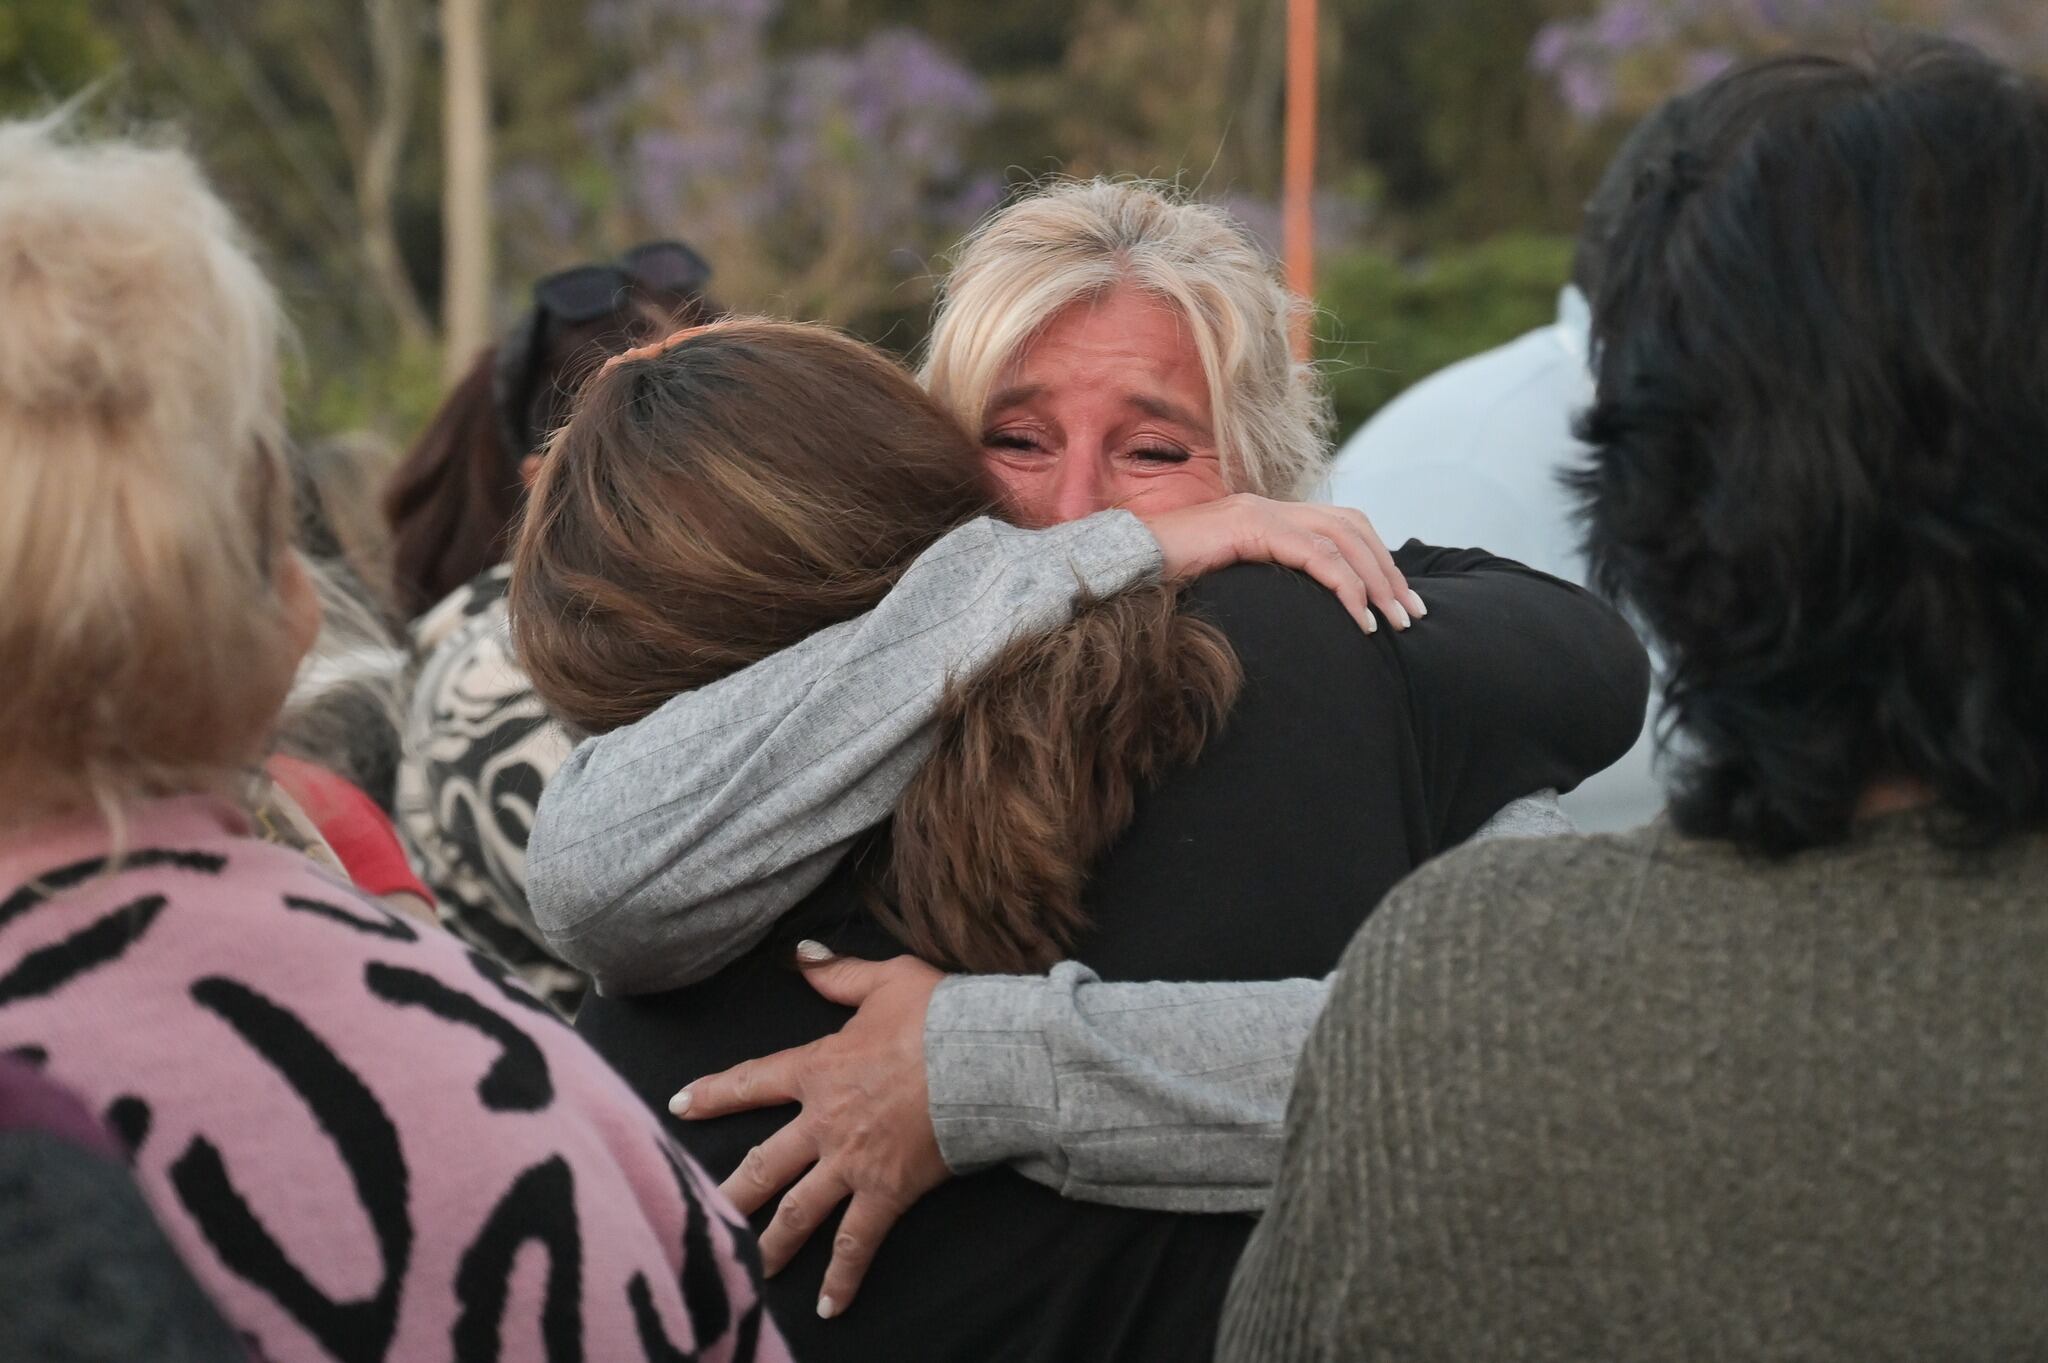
1763	1080
1172	780
452	500
477	747
1474	453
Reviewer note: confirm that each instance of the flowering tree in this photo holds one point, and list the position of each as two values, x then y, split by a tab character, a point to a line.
818	183
1630	54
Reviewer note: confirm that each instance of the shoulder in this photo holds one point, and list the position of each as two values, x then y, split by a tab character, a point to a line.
1434	417
1526	900
470	691
1251	593
1504	880
254	892
1281	622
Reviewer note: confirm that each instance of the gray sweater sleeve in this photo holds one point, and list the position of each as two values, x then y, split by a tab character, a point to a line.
1157	1095
666	849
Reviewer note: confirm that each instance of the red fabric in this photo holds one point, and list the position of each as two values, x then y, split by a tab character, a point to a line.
359	832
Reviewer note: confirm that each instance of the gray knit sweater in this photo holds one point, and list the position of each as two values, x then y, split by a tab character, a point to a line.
1639	1097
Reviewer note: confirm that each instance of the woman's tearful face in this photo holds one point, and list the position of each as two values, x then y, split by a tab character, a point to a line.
1107	406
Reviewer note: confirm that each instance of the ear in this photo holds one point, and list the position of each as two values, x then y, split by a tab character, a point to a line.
529	469
301	601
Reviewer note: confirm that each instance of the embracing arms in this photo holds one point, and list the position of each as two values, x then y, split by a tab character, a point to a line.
665	850
1168	1096
1162	1095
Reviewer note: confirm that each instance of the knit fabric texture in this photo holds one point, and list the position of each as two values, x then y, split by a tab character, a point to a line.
1641	1096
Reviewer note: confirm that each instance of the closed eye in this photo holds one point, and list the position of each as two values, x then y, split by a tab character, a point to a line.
1160	454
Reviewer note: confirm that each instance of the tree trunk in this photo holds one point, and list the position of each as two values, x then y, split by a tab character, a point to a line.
466	192
394	66
1264	85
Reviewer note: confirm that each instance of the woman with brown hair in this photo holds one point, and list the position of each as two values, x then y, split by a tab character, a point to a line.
477	747
1214	782
452	500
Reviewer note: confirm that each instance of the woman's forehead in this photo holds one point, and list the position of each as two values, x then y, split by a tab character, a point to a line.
1124	341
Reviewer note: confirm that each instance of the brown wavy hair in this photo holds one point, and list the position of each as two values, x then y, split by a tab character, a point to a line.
732	495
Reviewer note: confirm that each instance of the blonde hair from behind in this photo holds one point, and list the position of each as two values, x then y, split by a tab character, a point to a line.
144	637
1076	240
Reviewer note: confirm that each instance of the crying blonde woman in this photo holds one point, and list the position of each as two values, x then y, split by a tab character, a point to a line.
1170	767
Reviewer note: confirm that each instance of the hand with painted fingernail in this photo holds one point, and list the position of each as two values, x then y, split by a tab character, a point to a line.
865	1132
1335	545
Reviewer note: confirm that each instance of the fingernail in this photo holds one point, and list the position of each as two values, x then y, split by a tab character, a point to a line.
807	950
679	1104
827	1308
1397	615
1372	626
1415	605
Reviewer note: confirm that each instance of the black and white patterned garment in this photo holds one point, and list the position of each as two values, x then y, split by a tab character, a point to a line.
478	749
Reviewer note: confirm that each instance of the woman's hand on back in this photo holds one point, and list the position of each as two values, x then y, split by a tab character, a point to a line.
1332	544
865	1133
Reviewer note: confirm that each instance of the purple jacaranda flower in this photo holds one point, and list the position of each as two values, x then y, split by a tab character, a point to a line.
921	75
974	200
526	192
1586	59
1553	41
1623	25
781	159
1587	89
1703	64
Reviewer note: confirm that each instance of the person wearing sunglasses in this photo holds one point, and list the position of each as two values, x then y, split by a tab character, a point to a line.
460	485
477	745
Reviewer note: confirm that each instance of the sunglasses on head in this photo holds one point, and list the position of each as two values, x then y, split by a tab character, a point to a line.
581	293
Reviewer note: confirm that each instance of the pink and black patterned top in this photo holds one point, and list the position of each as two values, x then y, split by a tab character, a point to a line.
367	1141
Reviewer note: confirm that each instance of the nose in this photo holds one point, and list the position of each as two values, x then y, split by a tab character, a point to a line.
1081	484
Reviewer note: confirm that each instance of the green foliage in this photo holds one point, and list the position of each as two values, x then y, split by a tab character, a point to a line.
1387	323
1437	95
1434	133
389	391
48	50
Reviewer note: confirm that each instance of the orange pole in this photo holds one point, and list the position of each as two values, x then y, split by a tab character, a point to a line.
1298	210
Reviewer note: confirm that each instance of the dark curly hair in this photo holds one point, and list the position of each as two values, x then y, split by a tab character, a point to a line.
1820	442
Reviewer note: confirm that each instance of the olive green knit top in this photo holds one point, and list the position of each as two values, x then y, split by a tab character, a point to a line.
1643	1097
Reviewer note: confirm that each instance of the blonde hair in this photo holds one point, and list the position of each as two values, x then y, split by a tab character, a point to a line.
144	504
1076	240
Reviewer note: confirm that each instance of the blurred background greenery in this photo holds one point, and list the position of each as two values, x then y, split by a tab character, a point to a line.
823	153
